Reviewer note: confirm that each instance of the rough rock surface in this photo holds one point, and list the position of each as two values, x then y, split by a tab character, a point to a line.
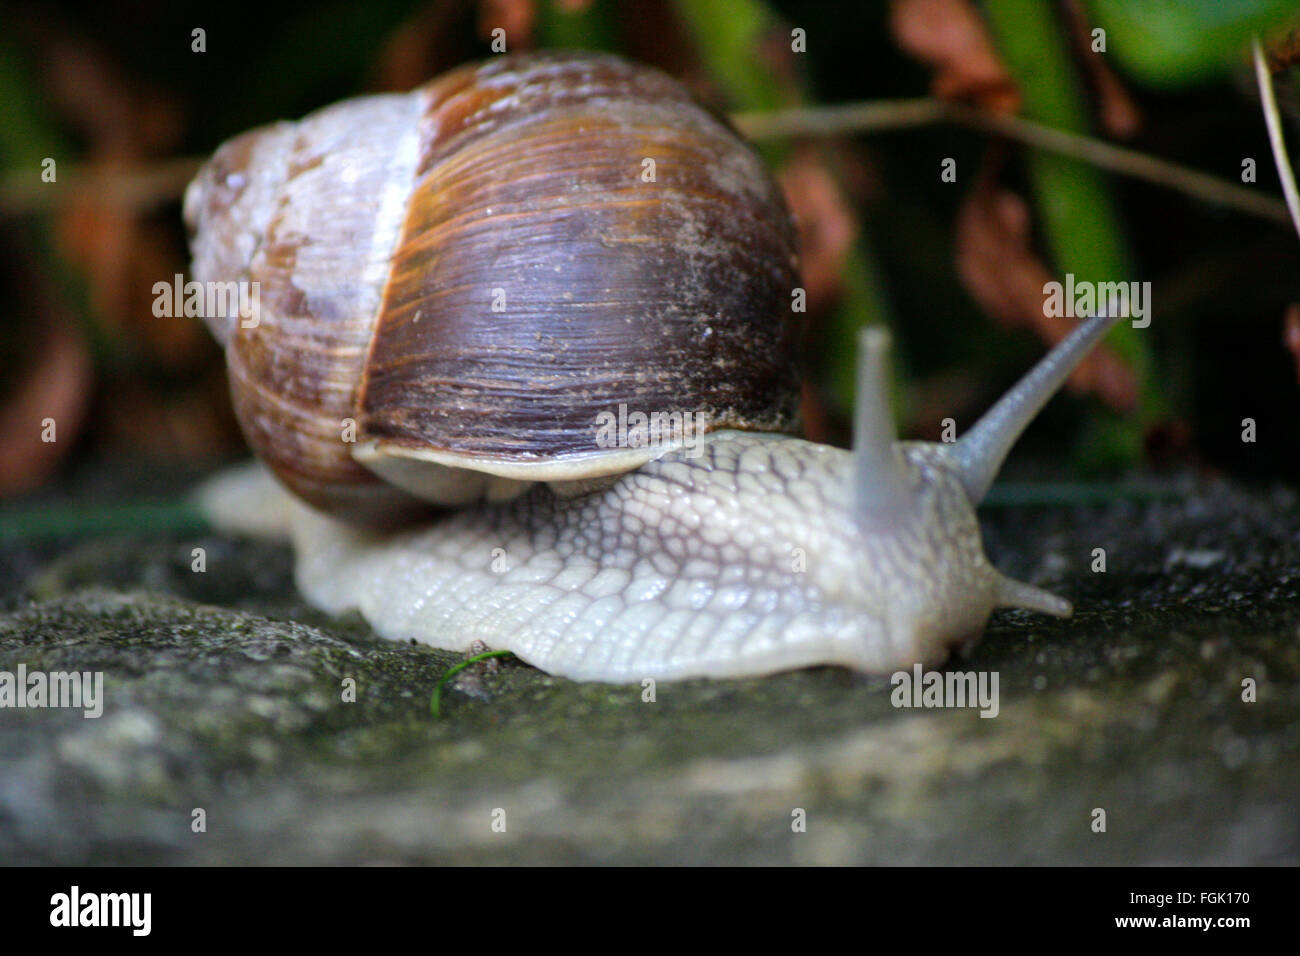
224	692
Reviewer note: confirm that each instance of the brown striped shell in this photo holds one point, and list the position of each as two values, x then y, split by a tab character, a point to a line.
471	273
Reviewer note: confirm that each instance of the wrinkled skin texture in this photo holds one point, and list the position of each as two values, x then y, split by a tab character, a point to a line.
744	560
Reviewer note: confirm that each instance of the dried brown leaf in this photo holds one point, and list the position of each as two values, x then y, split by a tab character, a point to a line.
516	17
827	226
951	37
56	386
1283	52
1000	269
1120	116
1291	335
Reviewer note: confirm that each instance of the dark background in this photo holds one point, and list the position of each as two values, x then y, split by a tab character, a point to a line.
115	89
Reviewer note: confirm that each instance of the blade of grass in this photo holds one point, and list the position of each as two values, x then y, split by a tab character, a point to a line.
1276	139
572	27
1081	224
730	36
435	700
34	524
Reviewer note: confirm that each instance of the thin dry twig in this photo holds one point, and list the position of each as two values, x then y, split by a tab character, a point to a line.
22	192
841	119
865	117
143	187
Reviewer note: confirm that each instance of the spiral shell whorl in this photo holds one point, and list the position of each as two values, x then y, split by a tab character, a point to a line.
384	230
672	294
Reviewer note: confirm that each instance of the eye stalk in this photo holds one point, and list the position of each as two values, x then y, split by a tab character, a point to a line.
879	486
981	451
879	489
882	498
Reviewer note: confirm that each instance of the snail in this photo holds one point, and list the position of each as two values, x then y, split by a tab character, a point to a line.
463	286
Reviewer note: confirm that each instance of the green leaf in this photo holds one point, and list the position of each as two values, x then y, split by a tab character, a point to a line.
1181	42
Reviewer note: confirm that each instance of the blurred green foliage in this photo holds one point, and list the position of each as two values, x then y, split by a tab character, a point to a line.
1213	269
1171	43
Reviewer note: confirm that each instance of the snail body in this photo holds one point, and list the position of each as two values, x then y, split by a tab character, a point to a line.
747	552
760	554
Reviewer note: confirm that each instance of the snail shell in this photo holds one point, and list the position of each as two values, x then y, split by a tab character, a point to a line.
473	272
